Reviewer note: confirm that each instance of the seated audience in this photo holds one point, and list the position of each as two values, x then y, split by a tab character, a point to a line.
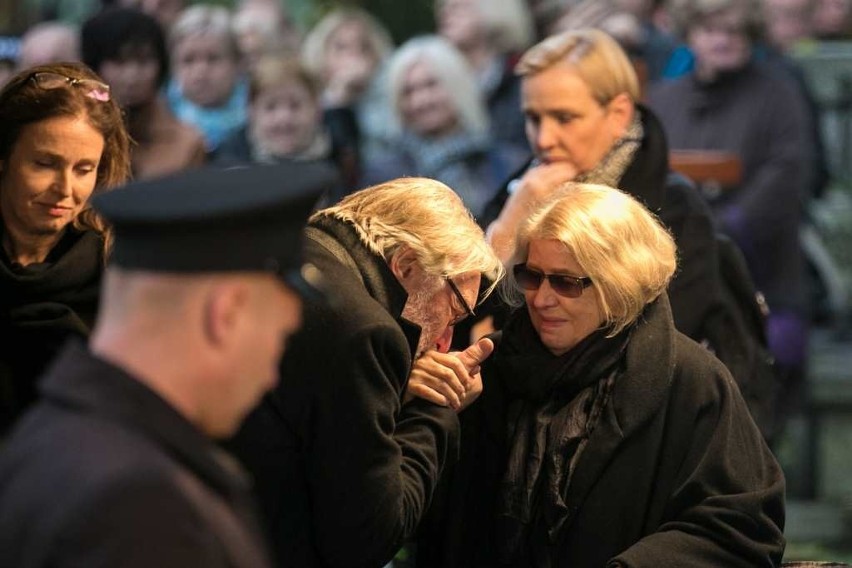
286	124
128	49
490	35
441	125
347	50
207	89
262	28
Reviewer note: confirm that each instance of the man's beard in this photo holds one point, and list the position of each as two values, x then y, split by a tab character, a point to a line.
418	309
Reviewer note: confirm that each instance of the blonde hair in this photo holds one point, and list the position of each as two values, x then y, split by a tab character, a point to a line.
595	56
424	215
204	19
316	42
618	243
277	70
453	73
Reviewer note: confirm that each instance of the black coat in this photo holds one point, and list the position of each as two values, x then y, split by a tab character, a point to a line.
695	290
103	473
674	474
344	469
41	306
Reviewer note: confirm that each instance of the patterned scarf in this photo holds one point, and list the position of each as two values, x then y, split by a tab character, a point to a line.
611	168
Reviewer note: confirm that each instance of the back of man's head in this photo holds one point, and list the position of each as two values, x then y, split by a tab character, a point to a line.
205	284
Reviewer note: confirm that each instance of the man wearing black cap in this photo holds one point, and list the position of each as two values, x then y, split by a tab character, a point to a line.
115	466
345	464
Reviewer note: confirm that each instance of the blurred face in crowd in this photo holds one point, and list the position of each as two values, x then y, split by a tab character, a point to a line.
565	123
284	119
426	106
720	42
348	53
165	11
132	76
639	8
49	175
460	21
788	21
831	18
206	68
561	322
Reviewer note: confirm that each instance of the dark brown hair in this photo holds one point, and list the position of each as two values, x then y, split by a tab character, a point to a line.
23	102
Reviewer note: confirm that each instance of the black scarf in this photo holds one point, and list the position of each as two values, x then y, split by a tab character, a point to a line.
41	305
556	402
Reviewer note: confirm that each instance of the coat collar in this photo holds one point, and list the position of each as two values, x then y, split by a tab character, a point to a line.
373	271
92	386
645	177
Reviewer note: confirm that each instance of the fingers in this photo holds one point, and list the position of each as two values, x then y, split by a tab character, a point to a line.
435	389
424	392
443	367
541	181
474	355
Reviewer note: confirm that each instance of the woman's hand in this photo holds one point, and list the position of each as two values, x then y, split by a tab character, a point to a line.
537	186
449	379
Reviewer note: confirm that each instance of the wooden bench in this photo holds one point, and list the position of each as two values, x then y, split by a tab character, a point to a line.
712	170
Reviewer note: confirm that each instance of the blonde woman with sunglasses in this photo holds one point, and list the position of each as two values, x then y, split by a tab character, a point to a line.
603	436
62	139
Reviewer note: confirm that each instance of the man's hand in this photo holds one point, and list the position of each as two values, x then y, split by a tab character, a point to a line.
450	379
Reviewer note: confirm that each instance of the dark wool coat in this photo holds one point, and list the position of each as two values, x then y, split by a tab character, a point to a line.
695	290
675	473
757	114
41	306
344	469
103	473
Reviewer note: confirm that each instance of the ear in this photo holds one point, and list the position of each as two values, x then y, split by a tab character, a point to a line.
403	263
224	308
620	111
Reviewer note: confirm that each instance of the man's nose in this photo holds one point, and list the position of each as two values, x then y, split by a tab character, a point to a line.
445	340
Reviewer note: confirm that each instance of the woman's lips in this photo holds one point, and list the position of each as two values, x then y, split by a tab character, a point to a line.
55	210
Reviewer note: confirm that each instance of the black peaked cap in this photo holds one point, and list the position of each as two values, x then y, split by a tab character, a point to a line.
246	219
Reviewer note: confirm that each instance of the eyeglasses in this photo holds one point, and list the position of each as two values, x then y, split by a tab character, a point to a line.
93	89
562	284
467	309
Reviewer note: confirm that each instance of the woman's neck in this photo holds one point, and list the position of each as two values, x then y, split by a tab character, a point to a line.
27	249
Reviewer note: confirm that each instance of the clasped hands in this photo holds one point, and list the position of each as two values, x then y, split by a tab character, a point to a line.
449	379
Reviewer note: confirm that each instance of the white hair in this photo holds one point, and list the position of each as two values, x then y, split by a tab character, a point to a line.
452	71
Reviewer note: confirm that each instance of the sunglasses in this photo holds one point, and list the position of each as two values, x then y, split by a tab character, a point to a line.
93	89
562	284
468	311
